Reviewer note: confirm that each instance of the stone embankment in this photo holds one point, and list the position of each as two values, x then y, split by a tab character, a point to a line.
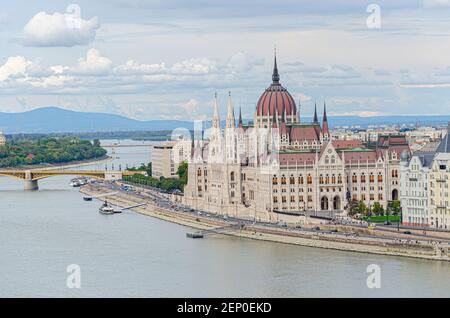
345	238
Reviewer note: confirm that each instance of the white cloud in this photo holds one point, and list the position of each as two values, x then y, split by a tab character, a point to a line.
59	29
190	106
436	3
93	64
132	67
194	67
14	65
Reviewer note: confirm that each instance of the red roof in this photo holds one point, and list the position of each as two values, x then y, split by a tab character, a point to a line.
363	156
276	97
299	158
346	144
301	133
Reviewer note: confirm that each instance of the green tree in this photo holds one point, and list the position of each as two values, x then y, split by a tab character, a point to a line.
395	207
96	143
362	208
182	172
377	209
353	207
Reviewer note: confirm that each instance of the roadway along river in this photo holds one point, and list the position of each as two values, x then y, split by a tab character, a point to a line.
130	255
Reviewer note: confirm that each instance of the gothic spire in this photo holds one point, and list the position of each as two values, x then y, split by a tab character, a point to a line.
275	75
325	129
240	124
216	118
230	115
316	120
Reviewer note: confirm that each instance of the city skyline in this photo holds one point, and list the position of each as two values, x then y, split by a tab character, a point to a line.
148	60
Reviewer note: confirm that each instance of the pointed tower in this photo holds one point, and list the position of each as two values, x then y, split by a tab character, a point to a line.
315	120
275	74
240	124
216	118
230	123
325	130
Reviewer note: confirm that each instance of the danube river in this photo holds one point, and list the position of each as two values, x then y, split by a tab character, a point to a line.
131	255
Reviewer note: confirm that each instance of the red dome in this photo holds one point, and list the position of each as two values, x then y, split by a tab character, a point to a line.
276	97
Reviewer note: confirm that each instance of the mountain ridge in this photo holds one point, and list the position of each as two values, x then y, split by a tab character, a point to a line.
53	119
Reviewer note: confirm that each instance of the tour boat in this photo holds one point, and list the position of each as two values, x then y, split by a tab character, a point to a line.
107	209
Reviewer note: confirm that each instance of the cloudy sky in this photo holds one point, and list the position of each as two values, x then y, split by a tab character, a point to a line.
164	59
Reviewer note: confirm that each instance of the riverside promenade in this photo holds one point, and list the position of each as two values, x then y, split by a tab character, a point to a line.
330	236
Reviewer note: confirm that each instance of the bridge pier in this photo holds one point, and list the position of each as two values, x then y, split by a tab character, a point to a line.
30	185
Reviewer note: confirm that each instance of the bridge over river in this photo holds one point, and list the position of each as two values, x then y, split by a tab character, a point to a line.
31	177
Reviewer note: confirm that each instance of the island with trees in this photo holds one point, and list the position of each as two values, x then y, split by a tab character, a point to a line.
52	150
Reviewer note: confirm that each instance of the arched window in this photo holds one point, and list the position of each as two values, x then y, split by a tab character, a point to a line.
363	178
274	180
354	178
199	172
333	179
300	180
292	179
309	179
232	176
371	178
283	179
327	179
380	177
321	179
339	178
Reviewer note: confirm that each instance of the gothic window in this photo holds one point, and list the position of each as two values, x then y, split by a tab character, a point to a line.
283	179
300	180
333	179
371	178
321	179
309	179
363	178
292	180
380	177
199	172
274	180
339	178
232	176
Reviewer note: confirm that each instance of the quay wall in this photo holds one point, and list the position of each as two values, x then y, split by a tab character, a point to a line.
280	235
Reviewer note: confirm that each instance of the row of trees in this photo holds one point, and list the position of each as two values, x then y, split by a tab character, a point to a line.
144	167
166	184
48	150
359	207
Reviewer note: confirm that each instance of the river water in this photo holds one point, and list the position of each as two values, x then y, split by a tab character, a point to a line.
131	255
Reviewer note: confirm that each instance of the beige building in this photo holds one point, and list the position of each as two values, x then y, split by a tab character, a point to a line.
425	187
439	192
167	157
282	168
2	139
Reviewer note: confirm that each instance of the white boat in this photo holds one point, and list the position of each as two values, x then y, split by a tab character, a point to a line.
75	183
107	209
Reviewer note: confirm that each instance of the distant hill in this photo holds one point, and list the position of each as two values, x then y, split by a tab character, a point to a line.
57	120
